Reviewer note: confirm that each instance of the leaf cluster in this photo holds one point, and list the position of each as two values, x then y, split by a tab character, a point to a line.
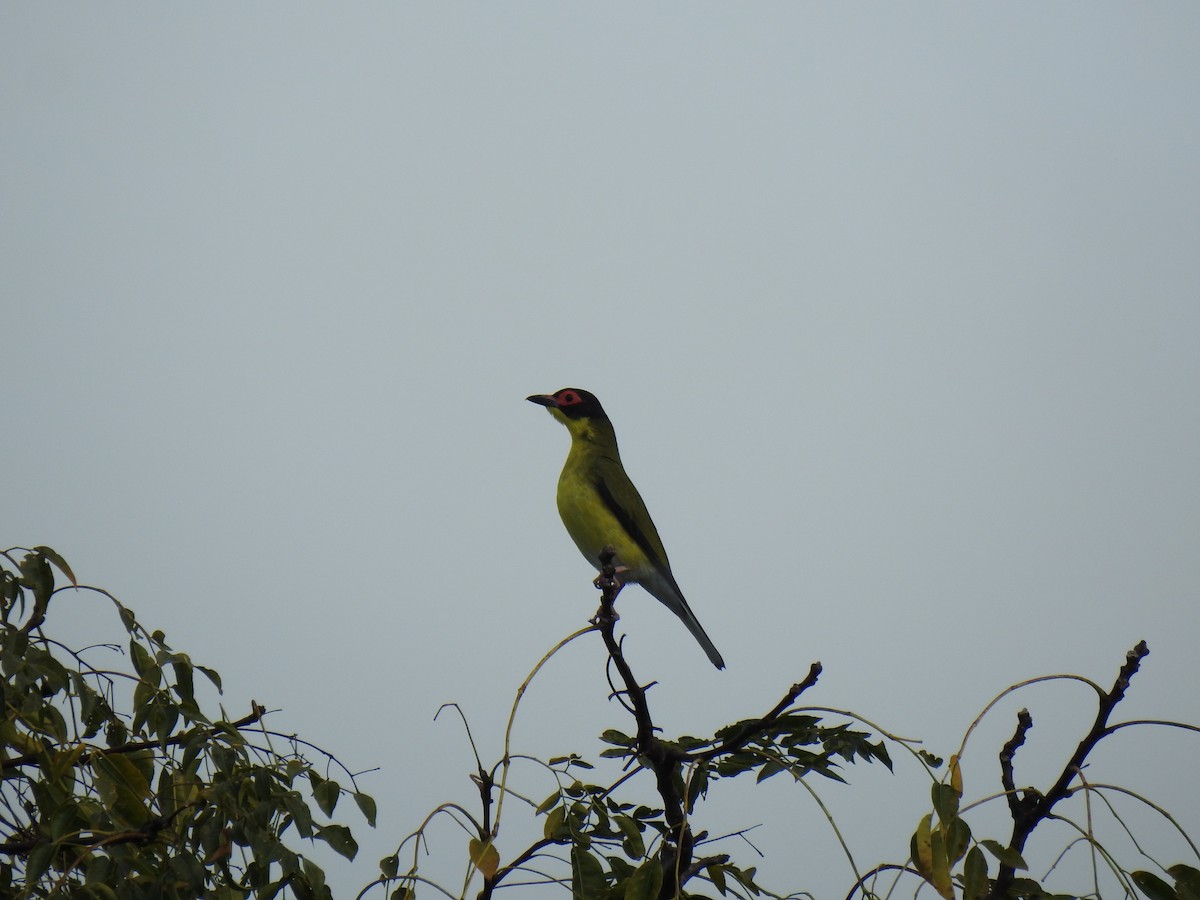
797	743
607	841
616	846
606	837
115	782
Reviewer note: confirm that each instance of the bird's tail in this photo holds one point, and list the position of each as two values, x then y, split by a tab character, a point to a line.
666	591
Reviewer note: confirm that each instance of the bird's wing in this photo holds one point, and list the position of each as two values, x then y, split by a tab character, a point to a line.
622	499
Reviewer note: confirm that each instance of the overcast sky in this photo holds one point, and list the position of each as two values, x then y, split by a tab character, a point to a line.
895	309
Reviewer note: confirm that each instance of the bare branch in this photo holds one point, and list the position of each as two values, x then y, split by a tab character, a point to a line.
1032	808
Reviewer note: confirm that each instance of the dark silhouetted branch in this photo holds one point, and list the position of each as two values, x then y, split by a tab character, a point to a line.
1032	808
748	731
664	760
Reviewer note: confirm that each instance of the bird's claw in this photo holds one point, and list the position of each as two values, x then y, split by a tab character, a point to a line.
602	580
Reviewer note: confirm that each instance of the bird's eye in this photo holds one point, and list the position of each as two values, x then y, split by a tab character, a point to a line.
568	397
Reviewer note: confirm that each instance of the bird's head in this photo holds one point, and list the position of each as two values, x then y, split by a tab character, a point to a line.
578	409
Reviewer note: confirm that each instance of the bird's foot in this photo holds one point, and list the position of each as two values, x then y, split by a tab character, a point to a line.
600	581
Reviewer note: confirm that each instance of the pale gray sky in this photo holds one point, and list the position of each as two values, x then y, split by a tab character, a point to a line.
895	309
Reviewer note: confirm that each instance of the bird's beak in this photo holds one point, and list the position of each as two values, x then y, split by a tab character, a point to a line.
543	400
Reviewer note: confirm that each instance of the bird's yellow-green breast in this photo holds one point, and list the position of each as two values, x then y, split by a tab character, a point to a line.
591	480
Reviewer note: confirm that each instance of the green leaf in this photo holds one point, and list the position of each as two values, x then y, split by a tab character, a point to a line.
697	786
745	877
98	869
1187	881
289	862
553	829
716	874
144	664
122	787
143	703
184	687
326	793
922	846
163	718
619	869
771	767
957	834
127	618
975	877
646	882
48	721
945	801
366	805
879	752
38	862
587	875
612	736
38	577
1153	886
547	803
315	875
59	562
67	819
940	876
340	839
633	845
389	866
1006	856
59	762
300	813
212	676
485	856
10	590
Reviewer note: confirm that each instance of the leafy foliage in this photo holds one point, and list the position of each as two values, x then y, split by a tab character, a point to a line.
117	781
601	843
161	801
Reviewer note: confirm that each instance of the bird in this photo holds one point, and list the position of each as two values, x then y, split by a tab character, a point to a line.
600	507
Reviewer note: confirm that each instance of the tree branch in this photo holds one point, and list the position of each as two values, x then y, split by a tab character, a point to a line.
1007	753
664	760
748	731
26	759
1031	809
